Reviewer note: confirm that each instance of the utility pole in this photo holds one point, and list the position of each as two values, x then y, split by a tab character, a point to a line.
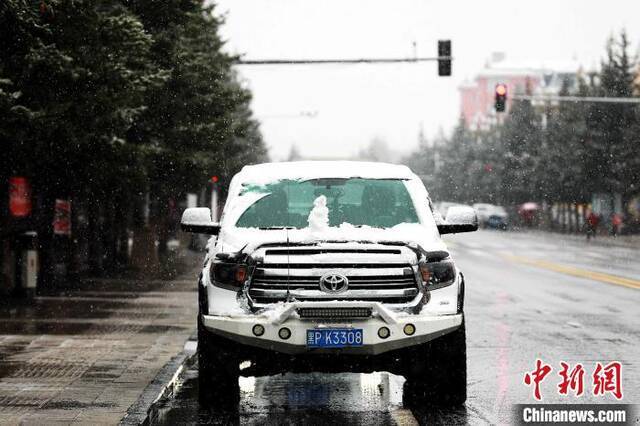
338	61
444	60
596	99
214	198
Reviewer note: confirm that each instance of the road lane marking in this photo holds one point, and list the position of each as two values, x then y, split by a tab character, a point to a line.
478	253
597	255
577	272
403	417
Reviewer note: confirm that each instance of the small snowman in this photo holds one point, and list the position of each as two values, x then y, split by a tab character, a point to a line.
319	215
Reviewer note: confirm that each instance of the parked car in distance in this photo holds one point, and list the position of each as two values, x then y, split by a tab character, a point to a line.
491	216
442	207
498	218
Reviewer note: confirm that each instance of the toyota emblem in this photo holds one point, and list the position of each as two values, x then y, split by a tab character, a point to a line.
333	282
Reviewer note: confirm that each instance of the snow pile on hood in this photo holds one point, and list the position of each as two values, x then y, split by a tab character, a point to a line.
248	239
319	216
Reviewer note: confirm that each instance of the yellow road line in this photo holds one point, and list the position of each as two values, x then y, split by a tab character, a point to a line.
577	272
403	417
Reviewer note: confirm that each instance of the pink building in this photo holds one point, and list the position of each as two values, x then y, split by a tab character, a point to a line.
478	96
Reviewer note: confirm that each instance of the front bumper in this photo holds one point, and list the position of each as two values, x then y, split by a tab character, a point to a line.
239	328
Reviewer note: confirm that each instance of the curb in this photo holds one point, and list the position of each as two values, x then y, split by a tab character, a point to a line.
163	385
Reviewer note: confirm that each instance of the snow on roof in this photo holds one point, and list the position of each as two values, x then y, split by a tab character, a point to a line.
529	68
467	85
271	172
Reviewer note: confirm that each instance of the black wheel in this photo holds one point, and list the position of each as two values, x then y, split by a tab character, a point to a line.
438	373
218	371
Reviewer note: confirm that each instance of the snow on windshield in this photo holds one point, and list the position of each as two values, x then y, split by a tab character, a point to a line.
318	203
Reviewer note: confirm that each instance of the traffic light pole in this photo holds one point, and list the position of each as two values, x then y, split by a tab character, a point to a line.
214	203
596	99
339	61
444	60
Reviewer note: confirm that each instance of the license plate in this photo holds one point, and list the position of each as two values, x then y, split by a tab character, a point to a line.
334	337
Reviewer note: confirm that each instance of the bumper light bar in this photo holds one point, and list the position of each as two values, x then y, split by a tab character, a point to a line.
334	313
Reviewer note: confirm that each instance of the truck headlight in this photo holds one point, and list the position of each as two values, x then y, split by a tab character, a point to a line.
228	274
437	274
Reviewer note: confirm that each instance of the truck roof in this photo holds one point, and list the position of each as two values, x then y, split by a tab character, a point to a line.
270	172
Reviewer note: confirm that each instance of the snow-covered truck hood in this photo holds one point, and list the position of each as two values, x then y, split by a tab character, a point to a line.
248	239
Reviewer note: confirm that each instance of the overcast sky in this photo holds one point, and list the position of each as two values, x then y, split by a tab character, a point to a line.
355	103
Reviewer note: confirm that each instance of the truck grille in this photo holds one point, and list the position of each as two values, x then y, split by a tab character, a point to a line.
387	283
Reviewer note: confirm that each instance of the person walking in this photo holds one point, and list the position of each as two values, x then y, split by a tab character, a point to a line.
593	220
616	223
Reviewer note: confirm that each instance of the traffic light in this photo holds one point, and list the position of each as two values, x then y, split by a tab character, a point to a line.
501	97
444	65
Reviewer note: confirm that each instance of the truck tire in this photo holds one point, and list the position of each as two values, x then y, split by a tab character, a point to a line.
218	372
438	375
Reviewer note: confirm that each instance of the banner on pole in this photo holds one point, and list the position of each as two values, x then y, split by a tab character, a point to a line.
62	218
19	196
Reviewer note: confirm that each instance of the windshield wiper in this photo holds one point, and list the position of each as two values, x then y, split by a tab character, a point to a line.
276	227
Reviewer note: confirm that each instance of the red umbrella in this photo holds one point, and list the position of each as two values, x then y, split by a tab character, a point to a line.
530	206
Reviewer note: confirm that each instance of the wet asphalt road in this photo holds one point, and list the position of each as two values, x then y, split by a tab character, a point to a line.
529	296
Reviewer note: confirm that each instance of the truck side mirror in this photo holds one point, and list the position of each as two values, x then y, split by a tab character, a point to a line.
459	219
198	220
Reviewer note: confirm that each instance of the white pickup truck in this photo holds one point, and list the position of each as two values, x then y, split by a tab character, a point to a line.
330	266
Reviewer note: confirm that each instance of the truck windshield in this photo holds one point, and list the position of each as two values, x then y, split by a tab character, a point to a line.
380	203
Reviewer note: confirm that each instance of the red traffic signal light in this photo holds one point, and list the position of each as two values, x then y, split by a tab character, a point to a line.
501	97
215	179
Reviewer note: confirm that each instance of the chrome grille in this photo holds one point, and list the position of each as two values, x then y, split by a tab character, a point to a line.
373	282
366	282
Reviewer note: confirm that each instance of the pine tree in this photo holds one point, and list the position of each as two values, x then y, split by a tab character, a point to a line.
198	123
455	155
521	145
609	148
564	153
105	100
80	69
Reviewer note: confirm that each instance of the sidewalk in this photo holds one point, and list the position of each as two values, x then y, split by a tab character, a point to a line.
86	355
